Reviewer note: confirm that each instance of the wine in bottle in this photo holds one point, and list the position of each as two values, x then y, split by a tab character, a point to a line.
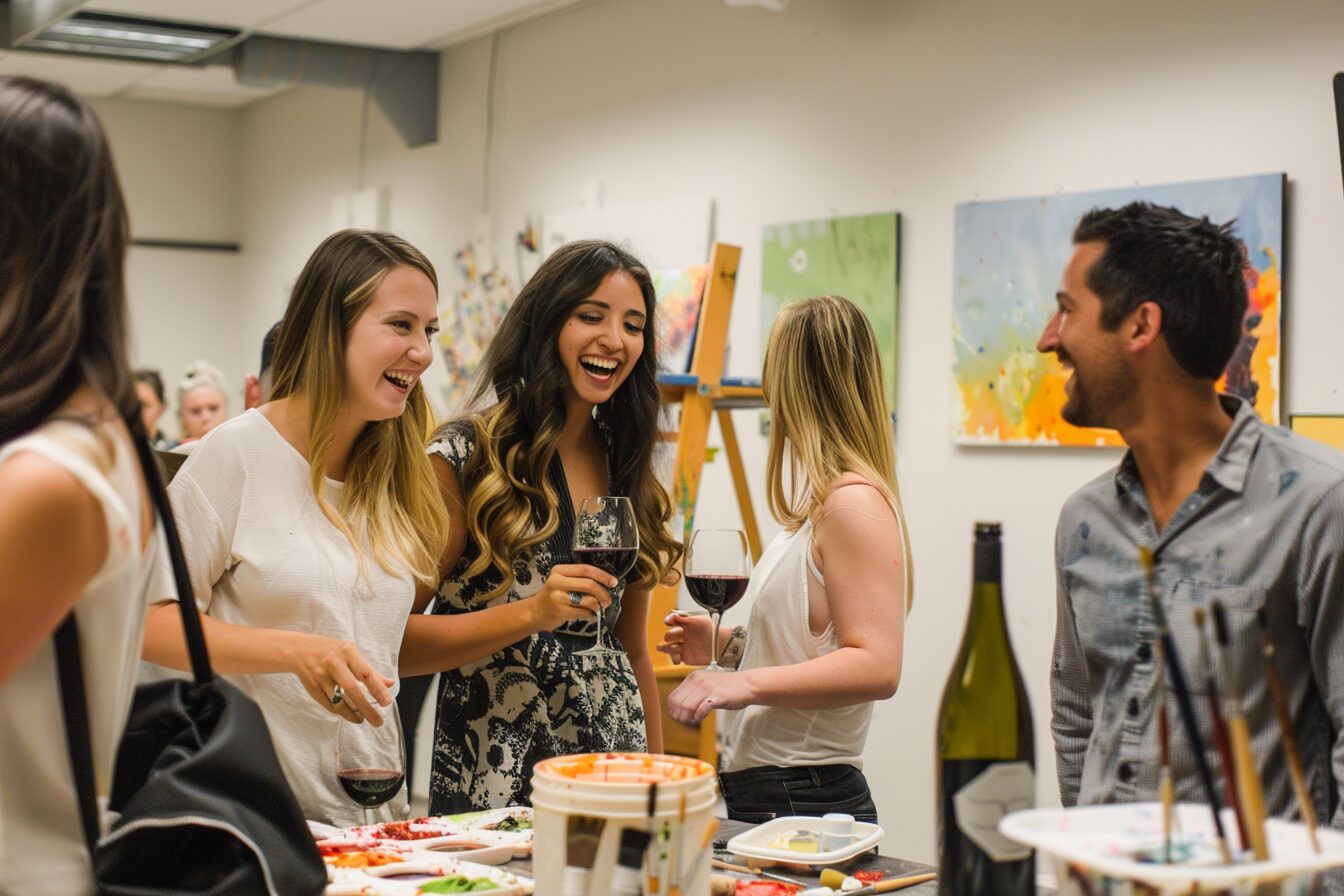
986	764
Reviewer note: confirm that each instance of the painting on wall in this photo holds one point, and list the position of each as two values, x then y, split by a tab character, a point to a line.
679	291
468	320
1328	429
855	257
1008	257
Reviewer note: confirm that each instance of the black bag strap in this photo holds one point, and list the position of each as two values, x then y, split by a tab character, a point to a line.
70	668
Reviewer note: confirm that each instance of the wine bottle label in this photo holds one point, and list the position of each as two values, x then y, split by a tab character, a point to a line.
1002	788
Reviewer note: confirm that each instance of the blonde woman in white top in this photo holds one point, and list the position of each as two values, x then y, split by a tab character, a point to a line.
78	532
307	523
829	594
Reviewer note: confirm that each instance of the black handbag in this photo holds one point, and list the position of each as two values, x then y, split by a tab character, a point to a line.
204	806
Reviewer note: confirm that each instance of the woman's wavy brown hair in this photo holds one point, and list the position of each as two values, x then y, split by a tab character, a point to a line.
828	408
511	506
391	498
63	237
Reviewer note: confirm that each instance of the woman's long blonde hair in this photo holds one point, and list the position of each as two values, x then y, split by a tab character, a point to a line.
391	498
828	409
511	506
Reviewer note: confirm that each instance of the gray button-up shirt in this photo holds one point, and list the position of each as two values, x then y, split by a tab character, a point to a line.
1264	528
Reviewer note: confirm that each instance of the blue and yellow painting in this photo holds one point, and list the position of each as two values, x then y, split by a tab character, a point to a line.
1008	257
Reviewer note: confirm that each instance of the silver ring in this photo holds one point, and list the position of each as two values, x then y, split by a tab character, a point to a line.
575	598
337	695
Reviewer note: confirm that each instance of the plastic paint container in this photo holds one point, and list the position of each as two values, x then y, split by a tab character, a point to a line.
615	787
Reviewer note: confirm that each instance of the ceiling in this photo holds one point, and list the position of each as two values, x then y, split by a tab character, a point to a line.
397	24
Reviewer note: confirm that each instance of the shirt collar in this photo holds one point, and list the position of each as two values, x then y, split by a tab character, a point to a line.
1233	460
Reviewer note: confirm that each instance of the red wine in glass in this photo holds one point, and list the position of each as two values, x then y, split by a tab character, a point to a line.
370	787
616	561
717	593
717	565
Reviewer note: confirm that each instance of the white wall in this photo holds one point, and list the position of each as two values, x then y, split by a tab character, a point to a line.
845	107
178	168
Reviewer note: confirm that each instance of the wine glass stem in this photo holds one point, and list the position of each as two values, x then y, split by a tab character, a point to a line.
597	644
369	816
714	618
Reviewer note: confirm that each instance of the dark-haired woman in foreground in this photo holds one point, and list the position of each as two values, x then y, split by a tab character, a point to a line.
77	527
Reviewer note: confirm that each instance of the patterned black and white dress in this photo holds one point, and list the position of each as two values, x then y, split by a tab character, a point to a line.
534	699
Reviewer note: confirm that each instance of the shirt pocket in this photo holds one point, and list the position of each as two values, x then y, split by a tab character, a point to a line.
1202	658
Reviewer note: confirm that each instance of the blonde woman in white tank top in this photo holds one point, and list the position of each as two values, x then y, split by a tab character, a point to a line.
830	593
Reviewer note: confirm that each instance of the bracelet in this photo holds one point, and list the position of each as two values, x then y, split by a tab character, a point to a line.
731	655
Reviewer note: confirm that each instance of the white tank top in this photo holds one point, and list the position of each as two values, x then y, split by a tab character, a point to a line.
780	634
42	847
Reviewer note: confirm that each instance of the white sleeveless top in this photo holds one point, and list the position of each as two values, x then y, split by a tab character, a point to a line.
779	634
42	847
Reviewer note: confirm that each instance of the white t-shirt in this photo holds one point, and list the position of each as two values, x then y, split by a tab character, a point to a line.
261	553
42	849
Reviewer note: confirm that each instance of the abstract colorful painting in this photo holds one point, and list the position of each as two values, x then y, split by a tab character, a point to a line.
469	319
855	257
1008	258
679	292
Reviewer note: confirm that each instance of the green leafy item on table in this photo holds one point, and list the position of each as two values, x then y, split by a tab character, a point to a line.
458	884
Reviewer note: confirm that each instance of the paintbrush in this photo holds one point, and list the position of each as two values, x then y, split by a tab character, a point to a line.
1239	737
1183	701
1166	792
700	861
654	865
675	853
585	833
745	869
1220	729
1286	729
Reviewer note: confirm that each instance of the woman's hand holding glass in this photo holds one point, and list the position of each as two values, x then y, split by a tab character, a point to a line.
323	664
571	591
605	534
687	638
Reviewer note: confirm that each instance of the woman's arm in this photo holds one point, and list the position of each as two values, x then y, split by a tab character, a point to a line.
632	631
440	642
860	547
53	541
320	663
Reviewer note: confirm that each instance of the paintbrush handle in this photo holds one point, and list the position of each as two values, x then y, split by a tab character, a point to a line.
1230	788
893	884
1290	746
1248	784
1187	709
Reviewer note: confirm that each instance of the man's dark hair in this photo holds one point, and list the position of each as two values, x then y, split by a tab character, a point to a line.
1192	268
268	348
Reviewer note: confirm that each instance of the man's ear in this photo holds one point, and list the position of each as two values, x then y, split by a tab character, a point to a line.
1143	326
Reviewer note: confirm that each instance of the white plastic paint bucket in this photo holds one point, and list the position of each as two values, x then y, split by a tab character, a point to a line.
615	787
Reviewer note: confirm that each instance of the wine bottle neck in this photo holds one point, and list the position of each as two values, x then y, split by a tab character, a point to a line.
988	563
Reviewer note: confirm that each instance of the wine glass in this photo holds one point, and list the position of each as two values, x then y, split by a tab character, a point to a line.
371	762
605	536
717	567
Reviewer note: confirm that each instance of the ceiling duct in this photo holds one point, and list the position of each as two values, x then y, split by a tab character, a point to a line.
404	83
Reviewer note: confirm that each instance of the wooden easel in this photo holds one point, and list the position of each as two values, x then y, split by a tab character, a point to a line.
702	395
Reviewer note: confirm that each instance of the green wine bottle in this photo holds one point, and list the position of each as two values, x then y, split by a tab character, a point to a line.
986	764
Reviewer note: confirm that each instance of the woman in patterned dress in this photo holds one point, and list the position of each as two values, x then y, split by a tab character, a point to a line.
573	375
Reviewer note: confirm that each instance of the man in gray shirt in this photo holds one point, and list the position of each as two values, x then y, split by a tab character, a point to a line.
1150	309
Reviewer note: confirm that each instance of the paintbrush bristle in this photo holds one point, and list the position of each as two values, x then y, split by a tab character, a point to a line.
1220	629
585	833
1199	618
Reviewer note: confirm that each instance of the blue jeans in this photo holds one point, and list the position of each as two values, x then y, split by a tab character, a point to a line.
756	795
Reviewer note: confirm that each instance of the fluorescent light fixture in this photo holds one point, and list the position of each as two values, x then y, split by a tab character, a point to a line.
123	37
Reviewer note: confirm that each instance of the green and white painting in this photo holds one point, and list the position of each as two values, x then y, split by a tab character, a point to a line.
855	257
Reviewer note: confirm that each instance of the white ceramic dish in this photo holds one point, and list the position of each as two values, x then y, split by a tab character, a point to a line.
384	879
757	842
1094	850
